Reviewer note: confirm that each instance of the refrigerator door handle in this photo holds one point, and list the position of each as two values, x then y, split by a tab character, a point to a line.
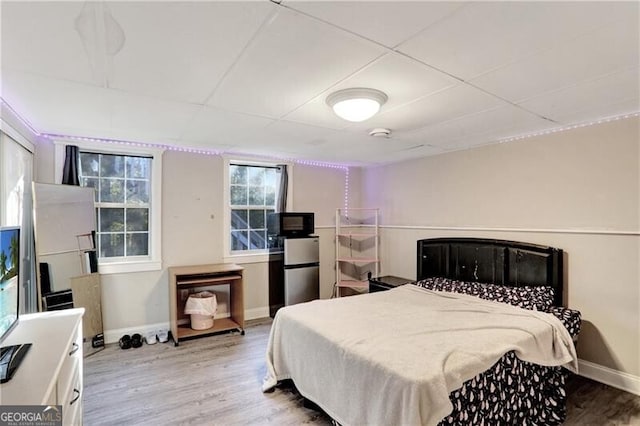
301	265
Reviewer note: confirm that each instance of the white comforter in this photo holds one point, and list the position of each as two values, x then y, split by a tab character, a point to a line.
393	357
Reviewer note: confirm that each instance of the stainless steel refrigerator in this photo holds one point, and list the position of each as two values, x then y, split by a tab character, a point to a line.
294	272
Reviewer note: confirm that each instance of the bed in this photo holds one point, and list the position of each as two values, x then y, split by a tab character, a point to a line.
480	338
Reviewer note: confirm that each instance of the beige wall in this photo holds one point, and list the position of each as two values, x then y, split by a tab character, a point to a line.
192	232
575	182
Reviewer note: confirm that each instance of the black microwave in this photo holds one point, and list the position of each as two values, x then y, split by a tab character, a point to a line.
290	224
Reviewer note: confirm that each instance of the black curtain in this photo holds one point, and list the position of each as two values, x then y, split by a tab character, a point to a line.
70	171
281	202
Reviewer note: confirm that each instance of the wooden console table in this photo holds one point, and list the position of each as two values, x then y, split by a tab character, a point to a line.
189	277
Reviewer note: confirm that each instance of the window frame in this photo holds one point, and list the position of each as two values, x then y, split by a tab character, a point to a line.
247	256
153	261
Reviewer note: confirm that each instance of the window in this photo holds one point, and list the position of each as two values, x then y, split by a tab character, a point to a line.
252	196
123	203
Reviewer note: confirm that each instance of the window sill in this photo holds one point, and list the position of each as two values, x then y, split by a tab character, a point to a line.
128	267
247	258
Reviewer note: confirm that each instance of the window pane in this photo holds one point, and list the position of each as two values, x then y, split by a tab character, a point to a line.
254	187
111	165
111	220
125	181
239	240
258	240
256	196
238	195
270	177
112	191
239	219
238	175
137	191
256	219
256	176
138	167
270	197
111	245
89	164
137	220
138	244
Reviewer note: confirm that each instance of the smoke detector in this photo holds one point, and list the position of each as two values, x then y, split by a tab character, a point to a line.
380	132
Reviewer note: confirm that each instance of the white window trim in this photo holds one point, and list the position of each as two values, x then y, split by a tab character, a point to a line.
254	256
154	262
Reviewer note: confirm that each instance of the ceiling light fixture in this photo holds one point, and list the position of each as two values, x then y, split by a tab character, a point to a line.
357	104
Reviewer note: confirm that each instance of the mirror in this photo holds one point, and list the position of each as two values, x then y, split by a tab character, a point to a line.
64	230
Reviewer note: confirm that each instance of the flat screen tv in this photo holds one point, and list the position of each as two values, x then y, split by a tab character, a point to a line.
10	356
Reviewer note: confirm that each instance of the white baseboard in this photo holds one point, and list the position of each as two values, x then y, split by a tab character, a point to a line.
256	313
113	336
609	376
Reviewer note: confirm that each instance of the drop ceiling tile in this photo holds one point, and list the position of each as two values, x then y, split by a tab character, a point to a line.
412	152
142	117
39	37
388	23
58	106
180	50
171	50
402	79
609	49
613	94
287	139
571	61
297	137
486	35
368	150
291	61
476	129
215	127
444	105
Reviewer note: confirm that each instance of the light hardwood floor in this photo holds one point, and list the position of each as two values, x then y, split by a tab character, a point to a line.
216	380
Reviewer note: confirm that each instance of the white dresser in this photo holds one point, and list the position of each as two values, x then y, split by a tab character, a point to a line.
51	372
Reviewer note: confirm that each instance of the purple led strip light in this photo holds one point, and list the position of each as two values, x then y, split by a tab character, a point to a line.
19	117
571	127
136	144
161	145
180	149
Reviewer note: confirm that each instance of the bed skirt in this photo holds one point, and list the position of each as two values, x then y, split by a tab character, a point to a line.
511	392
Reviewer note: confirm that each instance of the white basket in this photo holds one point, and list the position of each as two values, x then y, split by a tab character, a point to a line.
201	322
202	307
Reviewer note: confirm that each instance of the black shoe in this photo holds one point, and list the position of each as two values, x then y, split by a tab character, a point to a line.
125	342
136	340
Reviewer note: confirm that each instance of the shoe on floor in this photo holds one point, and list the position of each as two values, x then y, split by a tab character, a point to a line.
125	342
136	341
163	336
151	338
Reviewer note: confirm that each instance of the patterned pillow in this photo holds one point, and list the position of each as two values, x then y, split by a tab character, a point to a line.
527	297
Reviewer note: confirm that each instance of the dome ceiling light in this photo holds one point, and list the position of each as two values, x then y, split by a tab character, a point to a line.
357	104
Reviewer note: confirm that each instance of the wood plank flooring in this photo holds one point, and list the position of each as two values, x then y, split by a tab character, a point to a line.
216	381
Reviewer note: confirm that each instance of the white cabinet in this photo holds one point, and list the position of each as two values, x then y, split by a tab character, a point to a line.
357	242
51	372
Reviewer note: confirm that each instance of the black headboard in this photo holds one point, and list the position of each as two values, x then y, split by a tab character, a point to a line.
508	263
